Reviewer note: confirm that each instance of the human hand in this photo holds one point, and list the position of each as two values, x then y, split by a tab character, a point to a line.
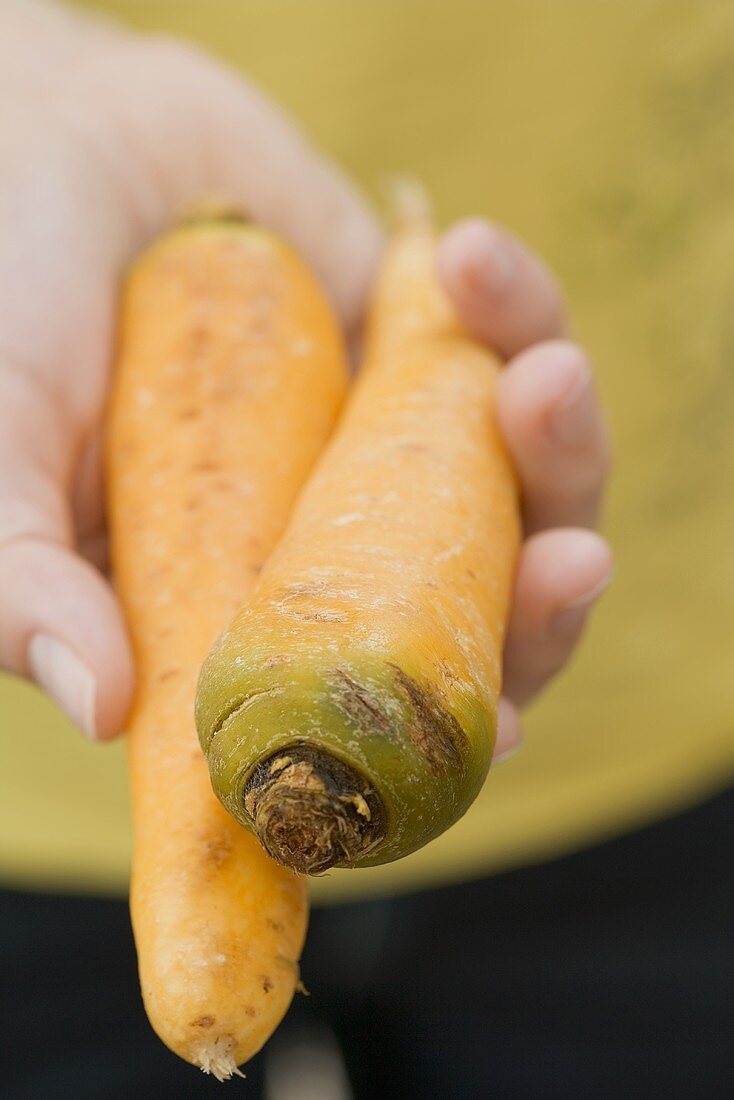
107	137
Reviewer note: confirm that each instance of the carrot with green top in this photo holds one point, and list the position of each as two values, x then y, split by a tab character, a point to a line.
349	711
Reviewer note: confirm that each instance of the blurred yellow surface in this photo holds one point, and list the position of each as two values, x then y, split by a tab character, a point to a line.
602	134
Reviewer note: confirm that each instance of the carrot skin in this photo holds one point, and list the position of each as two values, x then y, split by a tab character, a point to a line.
374	637
231	372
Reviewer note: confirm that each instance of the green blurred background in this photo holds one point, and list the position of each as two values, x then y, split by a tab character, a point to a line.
600	132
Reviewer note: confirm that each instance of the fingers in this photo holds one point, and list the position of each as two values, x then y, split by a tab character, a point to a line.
61	626
509	731
59	621
551	418
560	576
503	292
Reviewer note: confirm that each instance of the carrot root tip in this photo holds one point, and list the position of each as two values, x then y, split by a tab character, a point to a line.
312	812
409	203
216	1058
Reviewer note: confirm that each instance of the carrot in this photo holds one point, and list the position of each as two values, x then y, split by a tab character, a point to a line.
230	375
349	712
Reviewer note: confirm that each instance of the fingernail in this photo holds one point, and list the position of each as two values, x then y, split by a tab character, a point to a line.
512	751
572	418
571	615
66	679
587	598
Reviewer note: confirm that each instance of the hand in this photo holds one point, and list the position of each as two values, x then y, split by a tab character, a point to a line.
107	137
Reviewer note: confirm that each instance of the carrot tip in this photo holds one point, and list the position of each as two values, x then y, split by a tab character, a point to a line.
409	203
216	1058
210	209
312	812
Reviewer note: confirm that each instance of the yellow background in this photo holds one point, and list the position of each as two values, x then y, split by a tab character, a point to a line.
601	132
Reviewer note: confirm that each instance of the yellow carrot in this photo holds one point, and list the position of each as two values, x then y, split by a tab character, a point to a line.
349	712
231	371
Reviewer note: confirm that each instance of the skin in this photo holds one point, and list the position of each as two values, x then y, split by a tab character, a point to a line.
94	162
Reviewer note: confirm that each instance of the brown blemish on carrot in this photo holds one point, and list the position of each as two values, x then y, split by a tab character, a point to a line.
203	1021
412	448
217	850
266	982
261	322
360	705
197	340
167	674
433	729
275	660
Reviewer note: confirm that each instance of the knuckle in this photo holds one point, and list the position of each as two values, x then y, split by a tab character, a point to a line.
37	517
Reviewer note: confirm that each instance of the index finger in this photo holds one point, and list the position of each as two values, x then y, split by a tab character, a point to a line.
502	291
